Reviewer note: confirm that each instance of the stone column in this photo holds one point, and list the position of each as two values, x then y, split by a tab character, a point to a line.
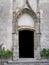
15	38
38	30
15	34
15	47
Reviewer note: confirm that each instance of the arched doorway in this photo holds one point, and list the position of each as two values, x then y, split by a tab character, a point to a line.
26	44
25	25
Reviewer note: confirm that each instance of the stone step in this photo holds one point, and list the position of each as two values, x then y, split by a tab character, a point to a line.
26	64
38	62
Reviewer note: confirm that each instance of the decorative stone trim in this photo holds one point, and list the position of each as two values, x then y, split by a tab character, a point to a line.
17	16
27	11
26	28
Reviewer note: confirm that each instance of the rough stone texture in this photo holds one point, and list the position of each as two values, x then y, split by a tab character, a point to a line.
27	63
45	25
44	20
6	23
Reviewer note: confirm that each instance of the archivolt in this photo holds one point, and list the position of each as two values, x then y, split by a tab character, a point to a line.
27	11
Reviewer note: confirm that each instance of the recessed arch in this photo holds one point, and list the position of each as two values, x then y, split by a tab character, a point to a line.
31	13
20	28
28	11
26	21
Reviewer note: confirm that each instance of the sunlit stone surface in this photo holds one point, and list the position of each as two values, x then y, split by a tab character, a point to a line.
26	20
8	7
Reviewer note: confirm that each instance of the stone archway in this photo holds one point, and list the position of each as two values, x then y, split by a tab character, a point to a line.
28	11
18	28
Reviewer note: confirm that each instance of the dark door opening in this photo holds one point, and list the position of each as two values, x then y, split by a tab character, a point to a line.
26	44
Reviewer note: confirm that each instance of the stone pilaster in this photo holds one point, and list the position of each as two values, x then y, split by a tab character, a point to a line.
38	30
15	37
15	47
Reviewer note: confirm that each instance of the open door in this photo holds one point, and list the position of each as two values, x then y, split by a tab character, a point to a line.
26	44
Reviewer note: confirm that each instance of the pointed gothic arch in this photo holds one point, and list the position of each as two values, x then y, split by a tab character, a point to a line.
17	16
28	11
34	17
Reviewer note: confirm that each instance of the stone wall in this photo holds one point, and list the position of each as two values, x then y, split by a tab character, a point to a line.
6	23
6	14
44	24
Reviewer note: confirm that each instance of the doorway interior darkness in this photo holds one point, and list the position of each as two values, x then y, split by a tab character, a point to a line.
26	44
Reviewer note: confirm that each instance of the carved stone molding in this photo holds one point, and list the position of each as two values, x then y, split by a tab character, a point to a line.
17	16
27	11
26	28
